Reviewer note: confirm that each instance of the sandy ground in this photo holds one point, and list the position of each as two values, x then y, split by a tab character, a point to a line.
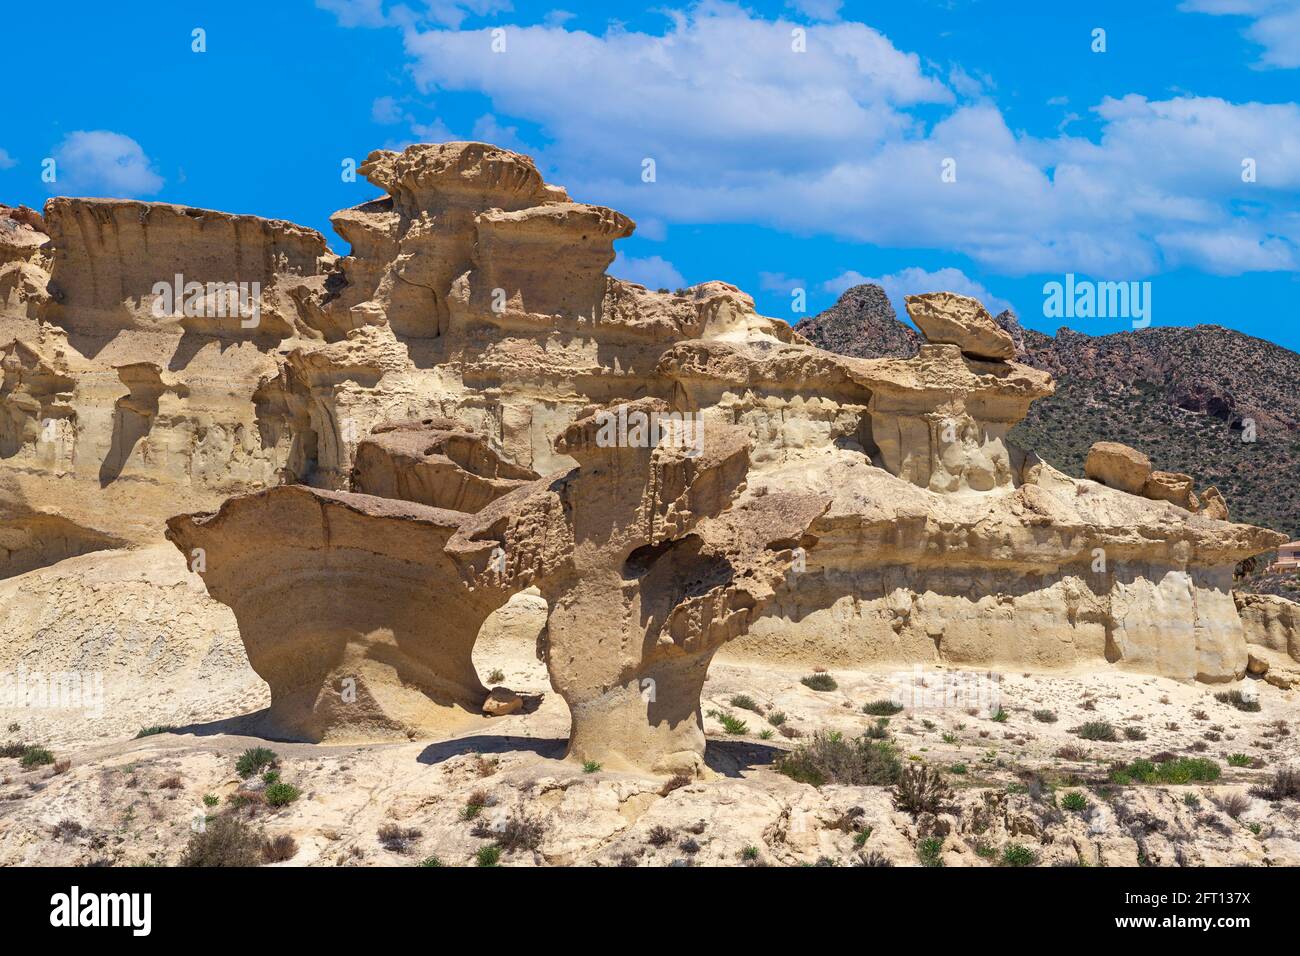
126	801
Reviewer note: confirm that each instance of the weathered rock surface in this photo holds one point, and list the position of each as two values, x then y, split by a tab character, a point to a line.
1118	466
1172	487
647	570
946	318
348	607
434	461
1214	505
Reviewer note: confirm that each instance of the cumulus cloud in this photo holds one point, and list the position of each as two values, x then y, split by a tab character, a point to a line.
653	272
1275	25
385	111
356	13
103	163
446	13
851	139
913	281
779	282
817	9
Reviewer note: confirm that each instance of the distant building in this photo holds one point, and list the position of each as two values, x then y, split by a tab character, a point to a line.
1288	557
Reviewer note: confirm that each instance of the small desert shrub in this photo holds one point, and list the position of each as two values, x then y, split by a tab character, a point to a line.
590	766
1014	854
477	801
958	768
35	757
12	749
155	729
278	849
1234	804
497	676
282	794
1238	760
1045	716
749	853
62	766
929	851
690	846
430	861
66	829
1135	733
874	858
776	718
881	708
744	702
170	783
210	800
1096	730
397	839
255	760
920	789
521	833
659	836
733	725
829	758
819	682
1285	785
1001	716
1076	801
224	841
766	734
488	856
949	738
677	781
1072	752
1235	698
879	730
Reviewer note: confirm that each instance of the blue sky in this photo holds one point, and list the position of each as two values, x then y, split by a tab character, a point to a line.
775	169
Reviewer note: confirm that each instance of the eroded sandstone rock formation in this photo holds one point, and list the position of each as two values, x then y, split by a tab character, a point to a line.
647	569
413	391
349	609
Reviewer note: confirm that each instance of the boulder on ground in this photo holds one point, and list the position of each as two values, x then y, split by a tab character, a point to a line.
501	701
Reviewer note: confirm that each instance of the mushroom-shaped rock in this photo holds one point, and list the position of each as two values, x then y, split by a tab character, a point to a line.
946	318
436	462
1118	466
349	609
646	570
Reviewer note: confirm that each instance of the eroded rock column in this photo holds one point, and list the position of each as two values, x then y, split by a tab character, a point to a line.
646	571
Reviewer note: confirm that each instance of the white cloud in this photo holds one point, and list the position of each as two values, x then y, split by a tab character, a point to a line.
385	111
446	13
653	272
698	99
779	282
356	13
913	281
1275	26
833	142
103	163
817	9
7	161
